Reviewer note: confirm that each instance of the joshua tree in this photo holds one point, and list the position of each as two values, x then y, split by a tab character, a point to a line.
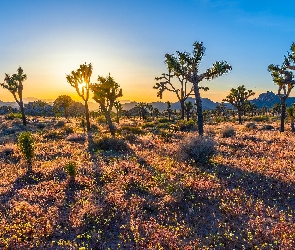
14	84
238	98
80	80
188	108
187	66
64	102
284	79
143	108
106	92
169	110
182	93
26	146
118	107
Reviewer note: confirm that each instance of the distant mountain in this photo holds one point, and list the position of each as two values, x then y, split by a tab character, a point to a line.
269	99
207	104
11	104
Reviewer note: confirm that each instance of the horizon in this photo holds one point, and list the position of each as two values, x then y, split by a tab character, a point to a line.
129	39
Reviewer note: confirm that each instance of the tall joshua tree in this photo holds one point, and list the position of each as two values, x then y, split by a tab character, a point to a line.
106	92
283	77
187	66
14	84
239	98
80	80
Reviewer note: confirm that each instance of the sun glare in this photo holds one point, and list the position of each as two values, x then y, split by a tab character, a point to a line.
81	86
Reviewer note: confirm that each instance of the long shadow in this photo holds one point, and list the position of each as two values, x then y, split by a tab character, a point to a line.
272	191
29	178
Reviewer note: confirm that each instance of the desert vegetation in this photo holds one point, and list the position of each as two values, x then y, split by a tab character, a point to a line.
146	179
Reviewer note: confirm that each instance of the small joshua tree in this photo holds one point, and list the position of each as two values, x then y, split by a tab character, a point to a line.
71	170
64	102
106	92
238	98
188	108
118	107
14	84
169	110
26	146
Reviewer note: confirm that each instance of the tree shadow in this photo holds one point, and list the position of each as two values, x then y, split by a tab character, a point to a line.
29	178
272	191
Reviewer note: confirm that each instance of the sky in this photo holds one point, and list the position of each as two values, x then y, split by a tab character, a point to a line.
129	38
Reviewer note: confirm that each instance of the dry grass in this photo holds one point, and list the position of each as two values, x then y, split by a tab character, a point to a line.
146	198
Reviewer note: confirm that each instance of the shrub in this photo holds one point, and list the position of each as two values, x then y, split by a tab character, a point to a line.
68	130
101	119
53	135
26	146
164	125
40	125
186	126
210	132
71	169
228	131
12	116
200	149
76	137
260	118
60	124
109	143
134	130
149	125
267	127
251	125
163	120
166	136
7	150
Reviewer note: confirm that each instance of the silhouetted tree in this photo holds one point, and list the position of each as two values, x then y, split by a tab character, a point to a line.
238	98
284	79
64	102
182	93
169	110
290	112
188	109
80	80
118	107
14	84
187	66
106	92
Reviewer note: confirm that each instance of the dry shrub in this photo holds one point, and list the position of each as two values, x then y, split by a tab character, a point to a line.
267	127
110	143
76	137
251	125
197	148
228	131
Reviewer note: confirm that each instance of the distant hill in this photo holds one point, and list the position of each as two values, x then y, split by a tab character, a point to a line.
269	99
207	104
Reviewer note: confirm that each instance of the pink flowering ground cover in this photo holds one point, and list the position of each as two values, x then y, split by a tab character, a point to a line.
146	196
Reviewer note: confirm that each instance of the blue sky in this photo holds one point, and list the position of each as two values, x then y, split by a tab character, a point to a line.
129	39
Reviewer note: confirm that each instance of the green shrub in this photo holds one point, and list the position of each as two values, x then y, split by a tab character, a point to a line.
149	125
163	120
260	118
26	146
68	130
228	131
132	129
186	126
71	169
199	149
110	143
166	136
164	125
12	116
101	119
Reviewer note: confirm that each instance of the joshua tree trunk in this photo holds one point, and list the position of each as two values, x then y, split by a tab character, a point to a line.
240	116
283	114
199	109
22	110
182	109
87	116
110	124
